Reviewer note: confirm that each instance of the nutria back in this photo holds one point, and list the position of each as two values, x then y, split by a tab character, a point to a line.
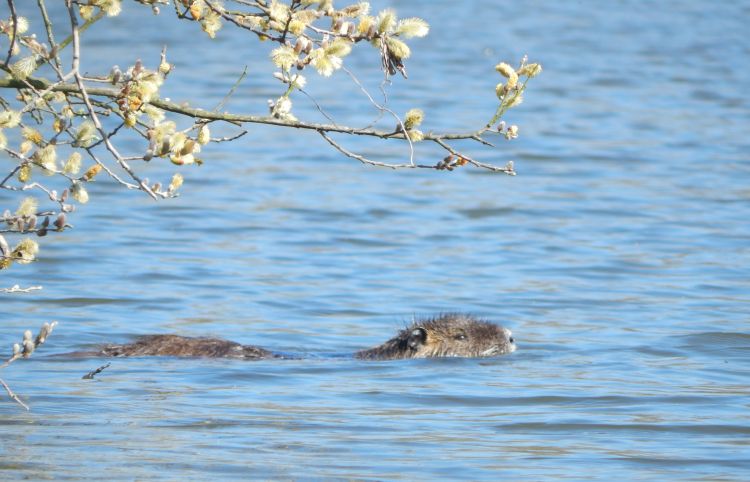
447	335
175	345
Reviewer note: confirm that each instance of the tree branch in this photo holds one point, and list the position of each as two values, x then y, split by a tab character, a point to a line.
198	113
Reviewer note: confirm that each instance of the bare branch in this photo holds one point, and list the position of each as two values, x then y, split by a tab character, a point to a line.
12	395
14	32
365	160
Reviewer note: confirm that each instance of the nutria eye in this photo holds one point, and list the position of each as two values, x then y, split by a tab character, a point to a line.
511	340
460	336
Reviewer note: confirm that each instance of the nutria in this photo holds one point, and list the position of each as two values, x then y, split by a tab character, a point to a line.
448	335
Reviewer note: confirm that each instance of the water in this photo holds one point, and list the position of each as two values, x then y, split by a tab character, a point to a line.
618	257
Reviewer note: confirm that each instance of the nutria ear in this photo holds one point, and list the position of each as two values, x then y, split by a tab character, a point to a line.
417	337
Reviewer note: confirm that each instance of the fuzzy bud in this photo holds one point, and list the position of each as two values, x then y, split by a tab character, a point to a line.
73	164
415	135
508	72
204	135
25	252
79	193
44	332
24	174
165	67
32	135
515	100
85	135
9	119
24	67
28	347
505	69
501	90
412	27
397	48
115	75
530	70
58	125
130	119
92	171
413	118
47	158
176	182
386	21
60	222
27	207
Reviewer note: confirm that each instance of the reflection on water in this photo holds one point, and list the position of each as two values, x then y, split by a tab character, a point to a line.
618	258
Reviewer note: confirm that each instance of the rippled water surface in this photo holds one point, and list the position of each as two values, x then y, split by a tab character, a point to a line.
618	256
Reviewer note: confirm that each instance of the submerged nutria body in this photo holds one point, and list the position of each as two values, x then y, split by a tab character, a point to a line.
449	335
175	345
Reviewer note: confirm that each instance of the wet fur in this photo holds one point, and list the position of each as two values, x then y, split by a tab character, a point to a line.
447	335
175	345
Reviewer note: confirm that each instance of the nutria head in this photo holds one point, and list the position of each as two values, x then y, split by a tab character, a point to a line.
449	335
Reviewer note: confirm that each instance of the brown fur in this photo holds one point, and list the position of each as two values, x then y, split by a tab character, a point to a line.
174	345
448	335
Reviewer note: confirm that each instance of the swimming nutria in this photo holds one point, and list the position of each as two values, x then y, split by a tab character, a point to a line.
448	335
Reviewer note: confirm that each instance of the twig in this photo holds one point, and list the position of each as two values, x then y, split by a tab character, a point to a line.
231	18
50	35
90	375
12	395
365	160
14	33
25	350
381	109
318	106
231	92
507	169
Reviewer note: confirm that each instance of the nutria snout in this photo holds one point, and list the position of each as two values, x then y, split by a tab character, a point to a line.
448	335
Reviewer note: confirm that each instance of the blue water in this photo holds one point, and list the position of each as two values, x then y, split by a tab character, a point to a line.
618	256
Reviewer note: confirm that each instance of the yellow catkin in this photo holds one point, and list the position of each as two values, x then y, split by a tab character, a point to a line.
27	207
204	135
91	172
24	174
73	164
413	118
530	70
508	72
176	182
